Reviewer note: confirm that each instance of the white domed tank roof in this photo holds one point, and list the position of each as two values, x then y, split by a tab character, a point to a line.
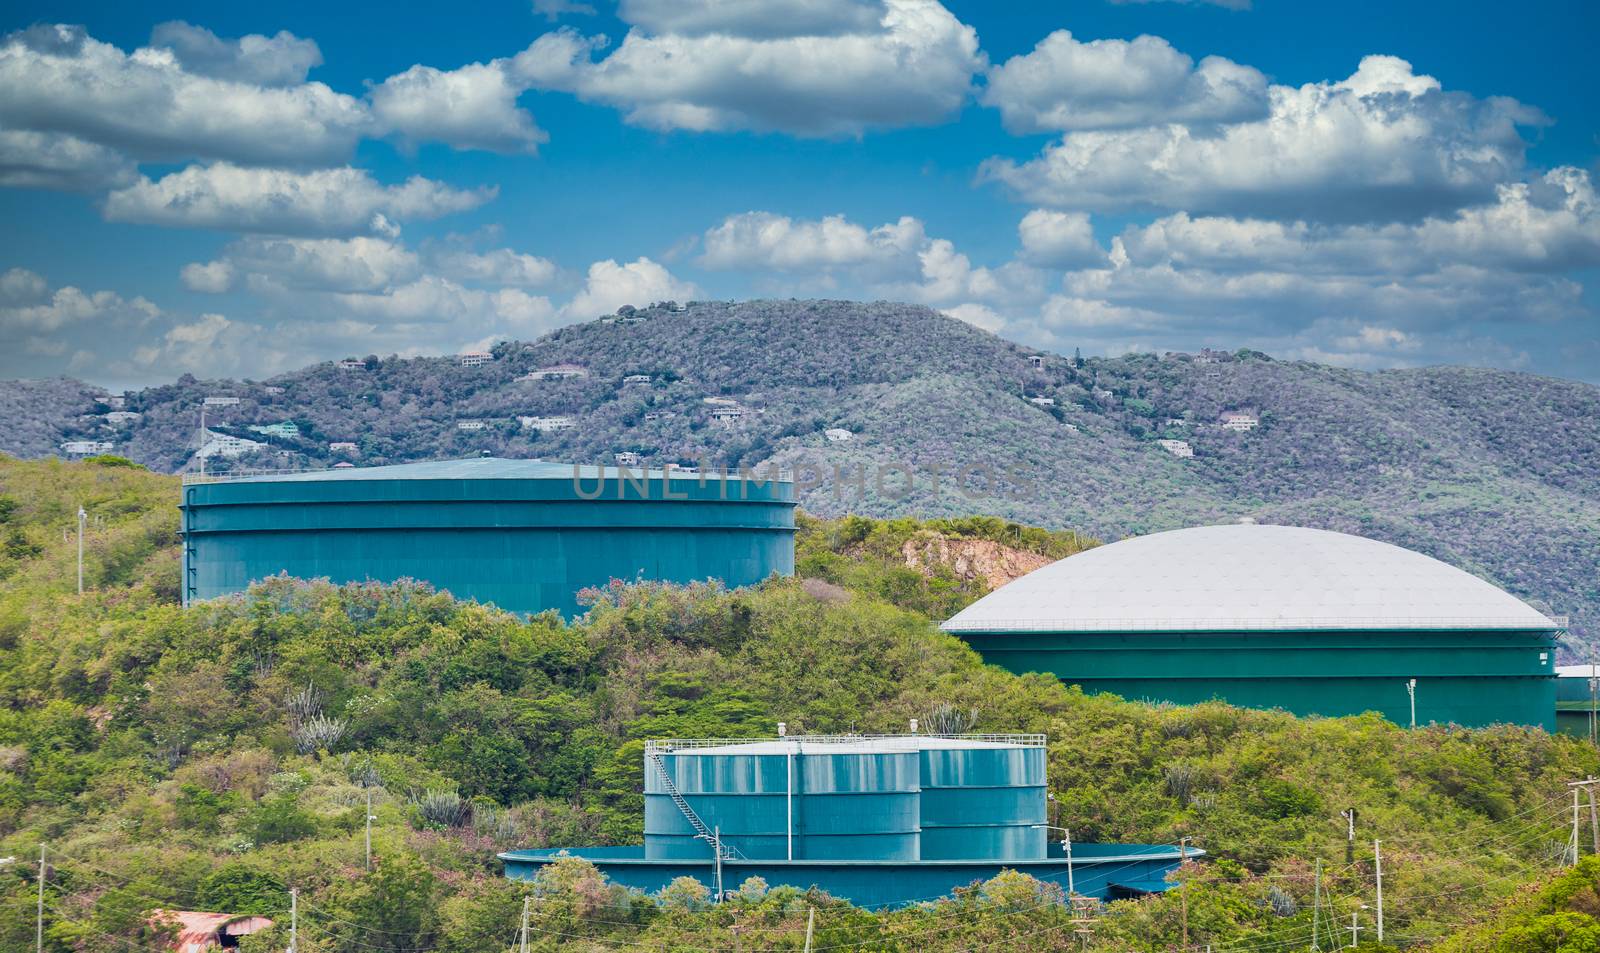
1246	577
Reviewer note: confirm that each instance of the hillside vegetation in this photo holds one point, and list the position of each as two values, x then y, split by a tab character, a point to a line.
213	758
1494	471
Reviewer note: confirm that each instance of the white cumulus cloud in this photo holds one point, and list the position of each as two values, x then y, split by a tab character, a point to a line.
147	104
473	107
914	68
1066	84
209	277
1061	239
610	285
501	266
759	19
338	201
1384	143
53	160
279	60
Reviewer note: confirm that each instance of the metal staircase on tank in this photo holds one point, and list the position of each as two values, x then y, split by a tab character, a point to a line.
728	851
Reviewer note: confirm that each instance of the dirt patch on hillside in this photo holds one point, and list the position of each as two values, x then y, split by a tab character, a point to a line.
993	563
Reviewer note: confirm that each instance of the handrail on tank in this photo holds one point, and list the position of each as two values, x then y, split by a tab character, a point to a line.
247	473
657	746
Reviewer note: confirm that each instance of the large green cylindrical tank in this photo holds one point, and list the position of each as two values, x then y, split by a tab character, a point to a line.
524	535
983	800
784	799
1311	621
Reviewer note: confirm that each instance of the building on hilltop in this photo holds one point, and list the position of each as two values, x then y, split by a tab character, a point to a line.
221	402
1240	421
287	429
556	372
86	447
1178	448
543	424
470	425
1042	401
1262	616
351	364
120	417
476	358
343	446
838	434
636	379
215	444
1037	362
627	458
727	416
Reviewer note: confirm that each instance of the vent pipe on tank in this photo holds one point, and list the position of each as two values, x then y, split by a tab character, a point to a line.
783	729
913	726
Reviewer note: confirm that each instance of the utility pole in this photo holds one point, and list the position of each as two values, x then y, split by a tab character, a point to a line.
369	828
811	923
1587	786
1572	845
1316	909
1355	927
294	920
38	929
1377	861
1183	892
1350	836
1411	689
1066	846
522	945
82	518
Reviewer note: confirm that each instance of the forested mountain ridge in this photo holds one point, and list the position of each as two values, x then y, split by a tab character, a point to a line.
1494	471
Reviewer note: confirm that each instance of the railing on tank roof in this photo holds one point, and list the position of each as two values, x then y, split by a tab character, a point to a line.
669	745
1200	624
245	474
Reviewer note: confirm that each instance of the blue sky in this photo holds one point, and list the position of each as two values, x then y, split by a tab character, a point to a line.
231	191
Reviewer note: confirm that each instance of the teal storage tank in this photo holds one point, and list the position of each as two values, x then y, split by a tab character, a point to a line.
883	820
983	799
523	535
899	797
786	799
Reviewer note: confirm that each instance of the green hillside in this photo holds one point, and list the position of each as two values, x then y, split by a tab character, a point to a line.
216	757
1493	471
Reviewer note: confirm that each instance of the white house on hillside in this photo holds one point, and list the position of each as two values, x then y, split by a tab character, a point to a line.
476	358
225	445
556	372
1178	448
87	447
543	424
838	434
1240	421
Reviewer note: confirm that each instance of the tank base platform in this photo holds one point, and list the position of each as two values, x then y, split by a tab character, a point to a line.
1099	871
